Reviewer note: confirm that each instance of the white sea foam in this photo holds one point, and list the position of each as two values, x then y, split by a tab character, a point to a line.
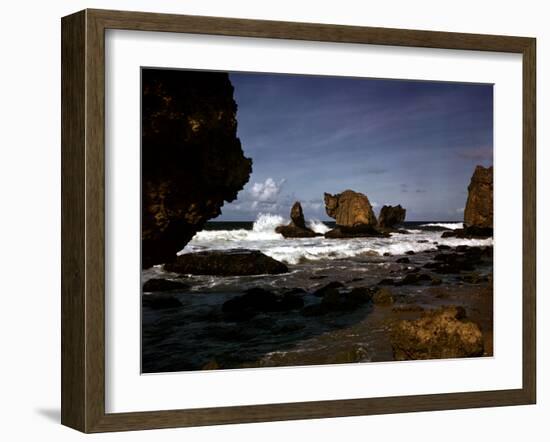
263	237
453	226
318	226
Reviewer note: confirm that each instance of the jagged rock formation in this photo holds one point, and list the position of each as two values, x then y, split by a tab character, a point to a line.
192	160
479	206
226	263
390	216
439	334
478	214
297	227
353	214
350	209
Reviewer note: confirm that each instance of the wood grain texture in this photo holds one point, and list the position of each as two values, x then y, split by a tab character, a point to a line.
73	253
83	220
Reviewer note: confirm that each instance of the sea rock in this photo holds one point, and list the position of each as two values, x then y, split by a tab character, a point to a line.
383	296
350	209
439	334
297	227
160	302
226	263
258	300
359	231
479	206
192	160
163	285
331	285
391	215
297	215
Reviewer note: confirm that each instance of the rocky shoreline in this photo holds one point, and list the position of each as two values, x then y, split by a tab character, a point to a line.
443	295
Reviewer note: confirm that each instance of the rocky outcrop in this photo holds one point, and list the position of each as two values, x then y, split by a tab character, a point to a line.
355	232
297	227
192	160
258	300
390	216
350	209
163	285
439	334
479	206
226	263
353	214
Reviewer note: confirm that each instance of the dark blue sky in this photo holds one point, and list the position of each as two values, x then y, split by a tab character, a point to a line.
400	142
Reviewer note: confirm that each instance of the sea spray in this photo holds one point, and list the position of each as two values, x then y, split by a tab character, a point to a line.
318	226
262	236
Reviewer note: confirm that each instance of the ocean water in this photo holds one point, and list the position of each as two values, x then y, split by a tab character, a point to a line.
189	337
261	235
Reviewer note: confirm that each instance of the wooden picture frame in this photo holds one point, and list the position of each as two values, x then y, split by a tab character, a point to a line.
83	220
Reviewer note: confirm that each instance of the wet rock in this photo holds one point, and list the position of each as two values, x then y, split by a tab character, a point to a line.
297	227
471	232
295	291
359	231
414	279
383	296
331	285
226	263
403	260
192	160
479	205
390	216
443	247
410	252
350	209
160	302
474	278
359	296
163	285
439	334
386	254
259	300
290	301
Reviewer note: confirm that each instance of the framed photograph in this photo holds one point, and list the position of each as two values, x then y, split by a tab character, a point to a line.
267	221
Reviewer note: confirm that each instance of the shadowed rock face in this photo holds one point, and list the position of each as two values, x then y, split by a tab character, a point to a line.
192	160
479	206
350	209
226	263
297	215
391	215
297	227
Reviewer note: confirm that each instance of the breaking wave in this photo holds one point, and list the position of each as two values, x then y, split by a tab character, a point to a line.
263	237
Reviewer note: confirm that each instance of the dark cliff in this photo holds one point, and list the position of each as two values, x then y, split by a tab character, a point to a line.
192	160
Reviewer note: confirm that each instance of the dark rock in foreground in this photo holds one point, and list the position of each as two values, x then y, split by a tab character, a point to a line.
226	263
192	160
439	334
297	227
160	302
163	285
335	301
390	216
258	300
